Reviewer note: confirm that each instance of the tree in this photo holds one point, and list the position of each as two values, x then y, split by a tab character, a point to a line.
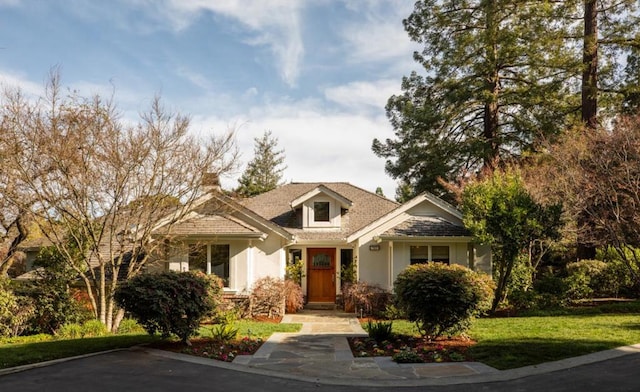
500	212
264	172
495	81
97	185
597	174
609	32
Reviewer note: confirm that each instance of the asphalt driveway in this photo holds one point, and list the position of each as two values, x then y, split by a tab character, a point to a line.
137	370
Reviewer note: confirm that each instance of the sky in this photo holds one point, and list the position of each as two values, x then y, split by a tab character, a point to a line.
316	73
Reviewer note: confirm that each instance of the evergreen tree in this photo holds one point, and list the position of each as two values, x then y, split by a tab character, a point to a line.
610	30
496	80
264	172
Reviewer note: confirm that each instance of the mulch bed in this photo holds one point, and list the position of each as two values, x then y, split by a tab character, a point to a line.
210	348
410	349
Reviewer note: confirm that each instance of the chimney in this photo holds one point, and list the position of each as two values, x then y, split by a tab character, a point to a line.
210	182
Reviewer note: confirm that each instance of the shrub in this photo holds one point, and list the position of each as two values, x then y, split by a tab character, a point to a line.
223	333
50	293
370	299
15	311
442	299
379	331
215	291
70	331
267	298
168	302
295	271
294	300
129	326
93	328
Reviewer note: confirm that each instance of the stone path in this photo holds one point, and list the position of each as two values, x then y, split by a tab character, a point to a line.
320	350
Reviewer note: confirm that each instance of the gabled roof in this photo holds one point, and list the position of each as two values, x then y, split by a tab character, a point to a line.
426	196
276	206
425	226
322	189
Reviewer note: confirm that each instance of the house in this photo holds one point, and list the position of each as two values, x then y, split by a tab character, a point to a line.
327	226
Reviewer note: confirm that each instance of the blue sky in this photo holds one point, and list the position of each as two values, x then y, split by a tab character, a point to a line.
317	73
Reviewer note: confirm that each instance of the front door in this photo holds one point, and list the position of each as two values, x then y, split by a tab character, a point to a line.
321	275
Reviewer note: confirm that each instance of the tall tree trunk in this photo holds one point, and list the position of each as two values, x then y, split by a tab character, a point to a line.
585	250
491	120
590	65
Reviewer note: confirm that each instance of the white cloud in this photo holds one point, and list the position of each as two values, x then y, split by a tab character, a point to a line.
15	80
380	36
319	146
363	95
194	78
276	24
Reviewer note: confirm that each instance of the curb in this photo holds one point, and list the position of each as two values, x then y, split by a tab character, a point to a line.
493	376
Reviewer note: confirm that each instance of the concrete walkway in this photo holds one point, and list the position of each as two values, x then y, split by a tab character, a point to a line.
320	351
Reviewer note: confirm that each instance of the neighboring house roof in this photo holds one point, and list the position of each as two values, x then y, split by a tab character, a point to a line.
425	226
277	206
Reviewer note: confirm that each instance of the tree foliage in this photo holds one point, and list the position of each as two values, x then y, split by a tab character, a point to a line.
168	302
264	171
495	82
499	211
597	174
442	299
95	183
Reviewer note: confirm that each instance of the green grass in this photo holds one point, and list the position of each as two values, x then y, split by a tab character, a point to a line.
264	330
23	351
31	349
507	343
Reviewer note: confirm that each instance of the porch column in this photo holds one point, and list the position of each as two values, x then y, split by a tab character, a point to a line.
390	282
250	265
208	259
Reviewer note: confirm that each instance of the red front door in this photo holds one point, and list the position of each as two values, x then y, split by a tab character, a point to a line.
321	275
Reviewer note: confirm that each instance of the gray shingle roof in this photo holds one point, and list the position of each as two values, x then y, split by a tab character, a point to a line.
426	226
275	206
212	225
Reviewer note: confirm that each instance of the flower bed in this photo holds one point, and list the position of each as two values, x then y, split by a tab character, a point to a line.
409	349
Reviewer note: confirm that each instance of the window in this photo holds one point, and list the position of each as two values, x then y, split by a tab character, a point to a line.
198	258
321	211
426	253
440	254
419	254
218	264
347	267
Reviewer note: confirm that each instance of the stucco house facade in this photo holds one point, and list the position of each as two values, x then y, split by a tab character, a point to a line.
326	225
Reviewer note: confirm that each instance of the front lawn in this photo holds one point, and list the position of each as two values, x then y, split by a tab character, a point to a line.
40	348
23	351
506	343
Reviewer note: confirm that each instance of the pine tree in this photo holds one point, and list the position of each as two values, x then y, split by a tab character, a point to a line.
495	82
264	172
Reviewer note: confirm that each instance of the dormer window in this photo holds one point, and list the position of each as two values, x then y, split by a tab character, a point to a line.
321	211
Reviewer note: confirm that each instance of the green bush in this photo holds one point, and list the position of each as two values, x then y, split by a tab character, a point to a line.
442	299
168	302
93	328
15	311
129	326
380	330
70	331
223	333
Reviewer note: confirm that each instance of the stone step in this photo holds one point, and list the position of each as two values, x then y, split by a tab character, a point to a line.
320	306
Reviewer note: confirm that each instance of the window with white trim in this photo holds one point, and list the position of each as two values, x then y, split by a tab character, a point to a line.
217	264
429	253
